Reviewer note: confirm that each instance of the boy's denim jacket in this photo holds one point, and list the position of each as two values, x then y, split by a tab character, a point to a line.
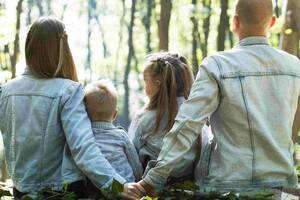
251	95
118	150
46	131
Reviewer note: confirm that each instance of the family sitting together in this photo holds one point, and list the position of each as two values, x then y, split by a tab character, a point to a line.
232	129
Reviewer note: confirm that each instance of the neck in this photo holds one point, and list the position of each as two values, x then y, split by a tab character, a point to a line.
99	119
244	34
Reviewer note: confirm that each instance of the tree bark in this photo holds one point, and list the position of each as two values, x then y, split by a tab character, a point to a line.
40	7
29	8
224	20
88	44
291	30
122	21
147	24
163	24
206	28
195	33
14	57
128	64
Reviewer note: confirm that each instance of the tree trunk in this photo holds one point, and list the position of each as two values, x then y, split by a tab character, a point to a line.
206	27
104	45
88	69
49	8
40	7
195	33
224	19
122	20
147	24
14	57
163	24
291	30
128	65
29	8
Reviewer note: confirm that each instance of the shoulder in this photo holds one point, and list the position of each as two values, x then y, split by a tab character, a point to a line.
287	55
145	117
142	123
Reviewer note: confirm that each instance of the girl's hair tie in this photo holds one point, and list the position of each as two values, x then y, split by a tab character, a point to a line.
63	35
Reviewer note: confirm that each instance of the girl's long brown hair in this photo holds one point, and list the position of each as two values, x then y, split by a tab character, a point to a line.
176	78
47	50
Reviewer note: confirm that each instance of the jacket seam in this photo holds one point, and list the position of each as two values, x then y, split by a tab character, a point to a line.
250	128
256	74
220	85
31	94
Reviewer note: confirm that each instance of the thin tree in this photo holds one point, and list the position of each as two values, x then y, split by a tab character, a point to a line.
40	7
163	24
223	25
195	33
291	30
128	64
147	23
206	28
88	44
16	51
122	21
29	8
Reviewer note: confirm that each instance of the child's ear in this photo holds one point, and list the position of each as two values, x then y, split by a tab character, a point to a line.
115	115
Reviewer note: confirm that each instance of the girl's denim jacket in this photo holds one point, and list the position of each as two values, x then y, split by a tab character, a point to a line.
47	135
148	142
251	95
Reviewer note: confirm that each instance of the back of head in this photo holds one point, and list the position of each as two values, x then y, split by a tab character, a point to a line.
101	100
175	77
47	50
254	14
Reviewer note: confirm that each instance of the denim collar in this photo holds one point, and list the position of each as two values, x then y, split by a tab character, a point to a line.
103	125
254	40
27	72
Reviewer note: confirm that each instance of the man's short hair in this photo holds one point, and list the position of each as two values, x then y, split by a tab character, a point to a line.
101	99
254	13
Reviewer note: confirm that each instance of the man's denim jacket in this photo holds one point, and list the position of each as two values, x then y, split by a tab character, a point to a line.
46	131
250	94
118	150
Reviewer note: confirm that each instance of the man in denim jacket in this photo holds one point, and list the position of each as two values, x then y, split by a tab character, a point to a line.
251	95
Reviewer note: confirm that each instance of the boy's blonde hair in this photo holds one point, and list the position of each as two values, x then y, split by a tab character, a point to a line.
101	100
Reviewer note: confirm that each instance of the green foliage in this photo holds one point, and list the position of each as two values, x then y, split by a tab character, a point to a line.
4	192
113	192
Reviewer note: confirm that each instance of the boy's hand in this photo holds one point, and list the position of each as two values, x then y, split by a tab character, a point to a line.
150	190
133	191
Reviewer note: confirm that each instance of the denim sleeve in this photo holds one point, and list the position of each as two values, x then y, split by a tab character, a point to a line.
81	141
296	124
135	132
133	158
193	113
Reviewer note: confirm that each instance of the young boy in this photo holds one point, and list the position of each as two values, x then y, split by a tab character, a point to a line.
101	105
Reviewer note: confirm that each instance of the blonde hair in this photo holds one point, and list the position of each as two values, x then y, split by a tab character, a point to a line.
176	77
101	100
254	13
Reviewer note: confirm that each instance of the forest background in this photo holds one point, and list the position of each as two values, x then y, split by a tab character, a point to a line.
111	38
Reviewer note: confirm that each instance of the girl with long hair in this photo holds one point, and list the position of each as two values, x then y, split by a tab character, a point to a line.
168	80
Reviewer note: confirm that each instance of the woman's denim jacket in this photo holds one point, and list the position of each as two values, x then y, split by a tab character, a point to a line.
251	95
46	131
